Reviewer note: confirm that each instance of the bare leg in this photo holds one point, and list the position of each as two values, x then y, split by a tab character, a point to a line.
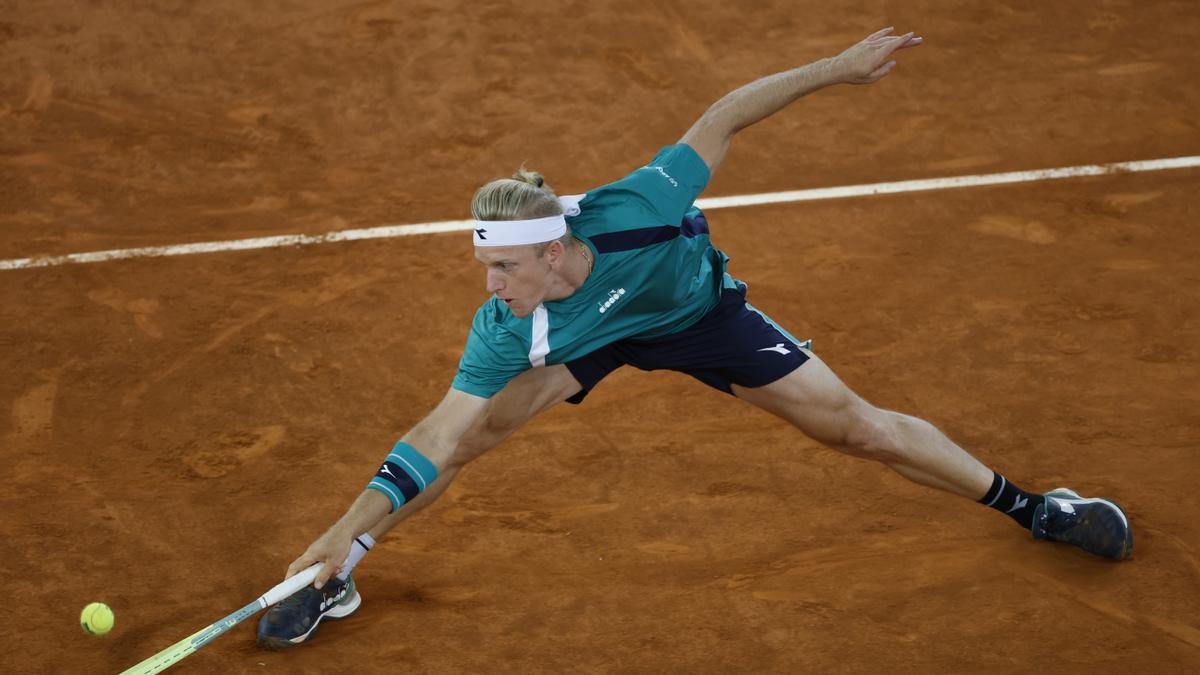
819	404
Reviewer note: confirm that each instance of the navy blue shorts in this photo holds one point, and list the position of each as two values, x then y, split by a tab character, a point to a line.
732	344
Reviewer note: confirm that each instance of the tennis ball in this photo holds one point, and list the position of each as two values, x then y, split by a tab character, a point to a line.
96	619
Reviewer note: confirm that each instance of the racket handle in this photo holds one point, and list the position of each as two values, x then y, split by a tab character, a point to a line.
290	585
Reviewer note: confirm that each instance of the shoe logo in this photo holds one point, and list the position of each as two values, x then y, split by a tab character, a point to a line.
777	348
613	296
1066	507
330	602
1018	503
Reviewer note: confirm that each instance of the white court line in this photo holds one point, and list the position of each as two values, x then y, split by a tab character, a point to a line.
708	203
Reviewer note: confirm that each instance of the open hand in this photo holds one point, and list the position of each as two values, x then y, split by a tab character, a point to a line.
870	60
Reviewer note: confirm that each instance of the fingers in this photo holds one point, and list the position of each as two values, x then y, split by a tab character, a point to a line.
899	41
908	39
327	570
298	565
895	44
870	58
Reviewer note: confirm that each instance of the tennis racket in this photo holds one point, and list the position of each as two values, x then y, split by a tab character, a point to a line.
178	651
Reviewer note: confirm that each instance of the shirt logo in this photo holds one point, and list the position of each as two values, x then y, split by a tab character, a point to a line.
777	348
613	296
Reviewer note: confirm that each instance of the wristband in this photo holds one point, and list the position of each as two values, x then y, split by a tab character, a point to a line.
404	474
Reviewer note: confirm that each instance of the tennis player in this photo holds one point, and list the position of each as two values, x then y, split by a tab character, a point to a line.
627	274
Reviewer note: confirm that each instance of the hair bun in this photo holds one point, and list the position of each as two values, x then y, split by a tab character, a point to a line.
532	177
509	199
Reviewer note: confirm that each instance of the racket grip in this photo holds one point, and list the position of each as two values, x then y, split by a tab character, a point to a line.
290	585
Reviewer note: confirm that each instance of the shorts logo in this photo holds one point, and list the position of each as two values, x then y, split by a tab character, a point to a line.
674	183
613	296
777	348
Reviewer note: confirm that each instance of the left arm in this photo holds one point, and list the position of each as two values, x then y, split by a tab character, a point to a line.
864	63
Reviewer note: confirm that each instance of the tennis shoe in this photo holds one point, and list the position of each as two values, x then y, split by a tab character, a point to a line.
297	616
1097	526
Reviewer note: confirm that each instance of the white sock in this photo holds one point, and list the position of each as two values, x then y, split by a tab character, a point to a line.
362	544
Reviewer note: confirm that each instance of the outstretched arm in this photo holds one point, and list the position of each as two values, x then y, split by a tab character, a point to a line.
438	438
460	429
864	63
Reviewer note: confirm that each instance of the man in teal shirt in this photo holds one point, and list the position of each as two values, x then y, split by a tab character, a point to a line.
655	273
626	274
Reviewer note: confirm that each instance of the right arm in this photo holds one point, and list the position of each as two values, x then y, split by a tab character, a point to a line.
461	428
438	437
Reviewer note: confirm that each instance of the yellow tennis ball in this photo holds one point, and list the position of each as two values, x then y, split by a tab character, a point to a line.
96	619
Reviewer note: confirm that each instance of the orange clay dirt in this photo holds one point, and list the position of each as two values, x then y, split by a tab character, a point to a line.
177	430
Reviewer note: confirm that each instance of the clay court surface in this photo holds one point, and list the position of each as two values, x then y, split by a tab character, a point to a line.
176	430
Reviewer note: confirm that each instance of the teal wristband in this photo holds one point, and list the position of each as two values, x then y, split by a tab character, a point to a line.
404	474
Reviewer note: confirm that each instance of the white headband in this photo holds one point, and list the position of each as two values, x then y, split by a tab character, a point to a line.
520	232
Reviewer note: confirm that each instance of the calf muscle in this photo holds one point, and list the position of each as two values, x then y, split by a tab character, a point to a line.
814	400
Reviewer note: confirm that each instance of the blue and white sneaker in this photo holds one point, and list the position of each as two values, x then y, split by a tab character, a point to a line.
296	617
1097	526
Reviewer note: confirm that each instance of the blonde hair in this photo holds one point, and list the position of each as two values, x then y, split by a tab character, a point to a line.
524	196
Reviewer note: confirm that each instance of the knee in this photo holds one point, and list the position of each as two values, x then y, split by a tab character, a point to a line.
873	434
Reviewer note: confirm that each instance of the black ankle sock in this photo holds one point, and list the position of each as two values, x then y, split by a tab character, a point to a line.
1011	500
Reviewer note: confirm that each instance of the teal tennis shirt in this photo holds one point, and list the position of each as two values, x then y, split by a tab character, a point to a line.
655	273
